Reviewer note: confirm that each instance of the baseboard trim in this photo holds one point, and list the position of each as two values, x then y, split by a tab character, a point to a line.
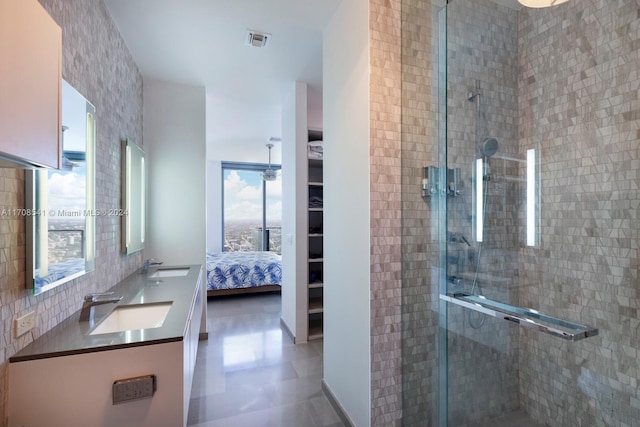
336	405
286	329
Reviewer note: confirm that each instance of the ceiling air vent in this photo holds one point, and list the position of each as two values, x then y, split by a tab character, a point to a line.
256	39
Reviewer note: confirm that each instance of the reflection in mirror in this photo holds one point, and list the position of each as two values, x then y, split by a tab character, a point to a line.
133	197
61	203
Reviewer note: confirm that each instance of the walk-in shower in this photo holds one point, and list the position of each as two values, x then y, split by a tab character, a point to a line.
520	297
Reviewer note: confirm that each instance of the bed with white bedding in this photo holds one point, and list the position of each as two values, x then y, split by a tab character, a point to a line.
243	272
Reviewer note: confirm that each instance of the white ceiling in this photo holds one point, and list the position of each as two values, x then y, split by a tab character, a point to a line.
201	43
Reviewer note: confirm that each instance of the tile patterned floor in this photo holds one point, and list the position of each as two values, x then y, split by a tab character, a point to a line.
249	373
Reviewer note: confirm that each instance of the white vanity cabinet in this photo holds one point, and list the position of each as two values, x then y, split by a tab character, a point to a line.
75	389
30	85
190	348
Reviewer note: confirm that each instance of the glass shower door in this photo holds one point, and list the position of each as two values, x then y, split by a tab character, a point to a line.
520	302
490	227
487	215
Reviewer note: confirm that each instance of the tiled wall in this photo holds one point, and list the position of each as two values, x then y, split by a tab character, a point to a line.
385	97
579	104
481	366
482	359
97	63
419	248
564	81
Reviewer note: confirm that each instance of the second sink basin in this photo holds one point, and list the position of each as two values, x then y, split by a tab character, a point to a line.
170	272
132	317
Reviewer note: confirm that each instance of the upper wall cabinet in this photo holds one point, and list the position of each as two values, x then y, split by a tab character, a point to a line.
30	85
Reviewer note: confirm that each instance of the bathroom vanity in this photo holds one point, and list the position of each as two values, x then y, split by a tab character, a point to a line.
131	364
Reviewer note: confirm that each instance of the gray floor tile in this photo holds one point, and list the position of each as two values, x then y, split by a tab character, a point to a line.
323	413
310	366
296	415
249	373
298	390
215	423
242	400
260	375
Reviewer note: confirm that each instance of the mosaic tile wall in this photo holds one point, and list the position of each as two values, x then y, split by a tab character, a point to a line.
419	249
576	100
579	104
385	97
97	63
481	103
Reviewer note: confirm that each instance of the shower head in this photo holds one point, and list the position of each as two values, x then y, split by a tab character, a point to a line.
488	147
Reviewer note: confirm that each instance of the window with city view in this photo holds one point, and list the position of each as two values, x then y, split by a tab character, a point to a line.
67	219
251	205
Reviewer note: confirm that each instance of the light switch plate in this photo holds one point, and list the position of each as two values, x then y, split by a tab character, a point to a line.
24	324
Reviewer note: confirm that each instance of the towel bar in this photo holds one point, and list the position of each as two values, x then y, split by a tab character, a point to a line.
525	317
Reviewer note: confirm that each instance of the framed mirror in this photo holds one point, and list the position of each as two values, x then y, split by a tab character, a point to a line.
133	197
60	204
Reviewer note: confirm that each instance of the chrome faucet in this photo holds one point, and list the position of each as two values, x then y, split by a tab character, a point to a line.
148	263
92	300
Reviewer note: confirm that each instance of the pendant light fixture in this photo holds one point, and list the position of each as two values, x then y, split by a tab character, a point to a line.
541	3
269	174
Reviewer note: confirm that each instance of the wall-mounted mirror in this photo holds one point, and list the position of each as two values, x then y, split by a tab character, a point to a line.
60	204
133	197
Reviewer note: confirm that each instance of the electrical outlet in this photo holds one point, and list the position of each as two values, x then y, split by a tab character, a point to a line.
24	324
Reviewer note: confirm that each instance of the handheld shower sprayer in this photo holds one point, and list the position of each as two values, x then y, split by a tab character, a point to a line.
488	147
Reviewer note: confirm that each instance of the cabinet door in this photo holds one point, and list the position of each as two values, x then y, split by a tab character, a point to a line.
30	83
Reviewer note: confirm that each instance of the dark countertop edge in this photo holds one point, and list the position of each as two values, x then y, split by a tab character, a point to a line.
21	356
14	359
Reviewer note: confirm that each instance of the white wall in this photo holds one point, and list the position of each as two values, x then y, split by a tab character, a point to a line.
347	364
238	131
175	148
294	210
314	116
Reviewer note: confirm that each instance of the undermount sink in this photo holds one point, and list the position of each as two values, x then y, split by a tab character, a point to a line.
132	317
170	272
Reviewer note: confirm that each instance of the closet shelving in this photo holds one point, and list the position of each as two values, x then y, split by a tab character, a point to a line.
315	230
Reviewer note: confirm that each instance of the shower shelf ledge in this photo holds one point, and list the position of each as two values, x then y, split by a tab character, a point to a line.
525	317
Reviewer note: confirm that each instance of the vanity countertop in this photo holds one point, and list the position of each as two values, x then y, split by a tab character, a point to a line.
72	336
